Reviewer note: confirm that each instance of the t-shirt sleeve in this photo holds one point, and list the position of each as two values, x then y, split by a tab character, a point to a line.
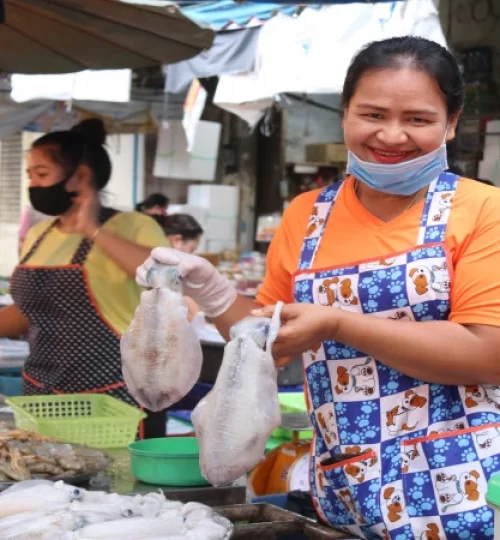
281	259
141	229
475	293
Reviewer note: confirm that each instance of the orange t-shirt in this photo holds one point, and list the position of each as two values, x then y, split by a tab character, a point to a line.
353	235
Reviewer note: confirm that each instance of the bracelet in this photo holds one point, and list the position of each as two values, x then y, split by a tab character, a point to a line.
96	234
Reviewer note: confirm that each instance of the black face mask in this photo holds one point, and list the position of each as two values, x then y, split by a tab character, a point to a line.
52	200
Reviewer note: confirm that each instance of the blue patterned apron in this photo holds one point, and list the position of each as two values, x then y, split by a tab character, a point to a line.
421	453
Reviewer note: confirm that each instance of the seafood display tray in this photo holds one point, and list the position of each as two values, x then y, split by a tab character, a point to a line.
269	522
79	480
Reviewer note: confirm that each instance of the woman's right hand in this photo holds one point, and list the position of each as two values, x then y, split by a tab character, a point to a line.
200	280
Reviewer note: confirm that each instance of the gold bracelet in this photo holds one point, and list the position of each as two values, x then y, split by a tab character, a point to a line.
96	234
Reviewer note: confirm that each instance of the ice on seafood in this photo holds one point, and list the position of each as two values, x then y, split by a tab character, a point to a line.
234	421
161	355
80	515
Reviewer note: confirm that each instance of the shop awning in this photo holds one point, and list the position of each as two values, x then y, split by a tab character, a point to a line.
67	36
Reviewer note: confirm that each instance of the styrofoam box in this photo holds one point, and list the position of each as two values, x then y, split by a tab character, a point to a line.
220	228
220	201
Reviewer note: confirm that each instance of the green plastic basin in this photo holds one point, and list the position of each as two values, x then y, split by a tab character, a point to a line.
171	461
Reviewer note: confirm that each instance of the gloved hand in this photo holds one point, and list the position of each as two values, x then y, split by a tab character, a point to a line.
200	280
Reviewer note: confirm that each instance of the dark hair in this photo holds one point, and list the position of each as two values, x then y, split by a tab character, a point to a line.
487	182
182	224
409	52
155	199
83	144
453	158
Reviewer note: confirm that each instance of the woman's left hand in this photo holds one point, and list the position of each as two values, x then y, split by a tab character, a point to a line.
304	327
86	203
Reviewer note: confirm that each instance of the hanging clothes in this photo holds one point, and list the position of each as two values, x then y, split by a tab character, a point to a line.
395	457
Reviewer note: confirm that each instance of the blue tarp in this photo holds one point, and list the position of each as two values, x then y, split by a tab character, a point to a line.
220	14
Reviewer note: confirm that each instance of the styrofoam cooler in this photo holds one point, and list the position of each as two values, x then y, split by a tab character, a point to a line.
493	500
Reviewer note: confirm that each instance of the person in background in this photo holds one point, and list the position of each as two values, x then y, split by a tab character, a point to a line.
29	218
74	291
154	205
392	293
183	232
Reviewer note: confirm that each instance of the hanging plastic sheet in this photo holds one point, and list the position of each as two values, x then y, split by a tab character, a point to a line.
311	53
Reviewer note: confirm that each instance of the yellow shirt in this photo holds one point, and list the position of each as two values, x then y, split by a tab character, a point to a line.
117	295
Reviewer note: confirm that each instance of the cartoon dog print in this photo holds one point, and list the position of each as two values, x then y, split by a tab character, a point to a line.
407	457
475	394
328	427
453	490
459	426
445	203
348	502
398	418
360	378
327	292
321	478
381	262
314	222
394	501
436	278
486	438
401	316
345	293
359	469
421	277
431	533
440	278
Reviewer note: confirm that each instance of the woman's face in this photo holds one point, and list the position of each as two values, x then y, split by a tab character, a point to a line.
396	115
42	171
187	246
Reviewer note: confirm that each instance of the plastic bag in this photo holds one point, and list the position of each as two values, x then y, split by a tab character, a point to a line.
234	421
161	354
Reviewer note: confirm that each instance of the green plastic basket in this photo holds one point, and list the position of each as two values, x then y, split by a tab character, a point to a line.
95	420
171	461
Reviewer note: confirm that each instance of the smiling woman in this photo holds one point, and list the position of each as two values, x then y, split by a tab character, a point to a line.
392	282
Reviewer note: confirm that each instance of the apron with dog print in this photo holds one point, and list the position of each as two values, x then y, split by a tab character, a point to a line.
394	457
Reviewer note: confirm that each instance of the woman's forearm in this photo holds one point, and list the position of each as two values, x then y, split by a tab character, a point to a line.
240	309
13	323
127	255
435	351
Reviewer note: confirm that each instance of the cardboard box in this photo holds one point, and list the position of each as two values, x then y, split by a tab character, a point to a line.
326	153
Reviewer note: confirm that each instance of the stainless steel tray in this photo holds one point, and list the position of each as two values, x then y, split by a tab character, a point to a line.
269	522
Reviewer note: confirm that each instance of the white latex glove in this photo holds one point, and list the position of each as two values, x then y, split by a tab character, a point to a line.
200	280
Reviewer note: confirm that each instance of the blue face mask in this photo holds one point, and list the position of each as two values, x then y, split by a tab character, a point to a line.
405	178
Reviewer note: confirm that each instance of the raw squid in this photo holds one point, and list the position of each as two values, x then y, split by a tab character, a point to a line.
234	421
80	515
161	355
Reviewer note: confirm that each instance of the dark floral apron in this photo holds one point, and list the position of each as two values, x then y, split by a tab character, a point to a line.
395	457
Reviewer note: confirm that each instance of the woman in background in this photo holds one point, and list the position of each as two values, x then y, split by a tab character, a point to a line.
183	232
74	290
154	205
